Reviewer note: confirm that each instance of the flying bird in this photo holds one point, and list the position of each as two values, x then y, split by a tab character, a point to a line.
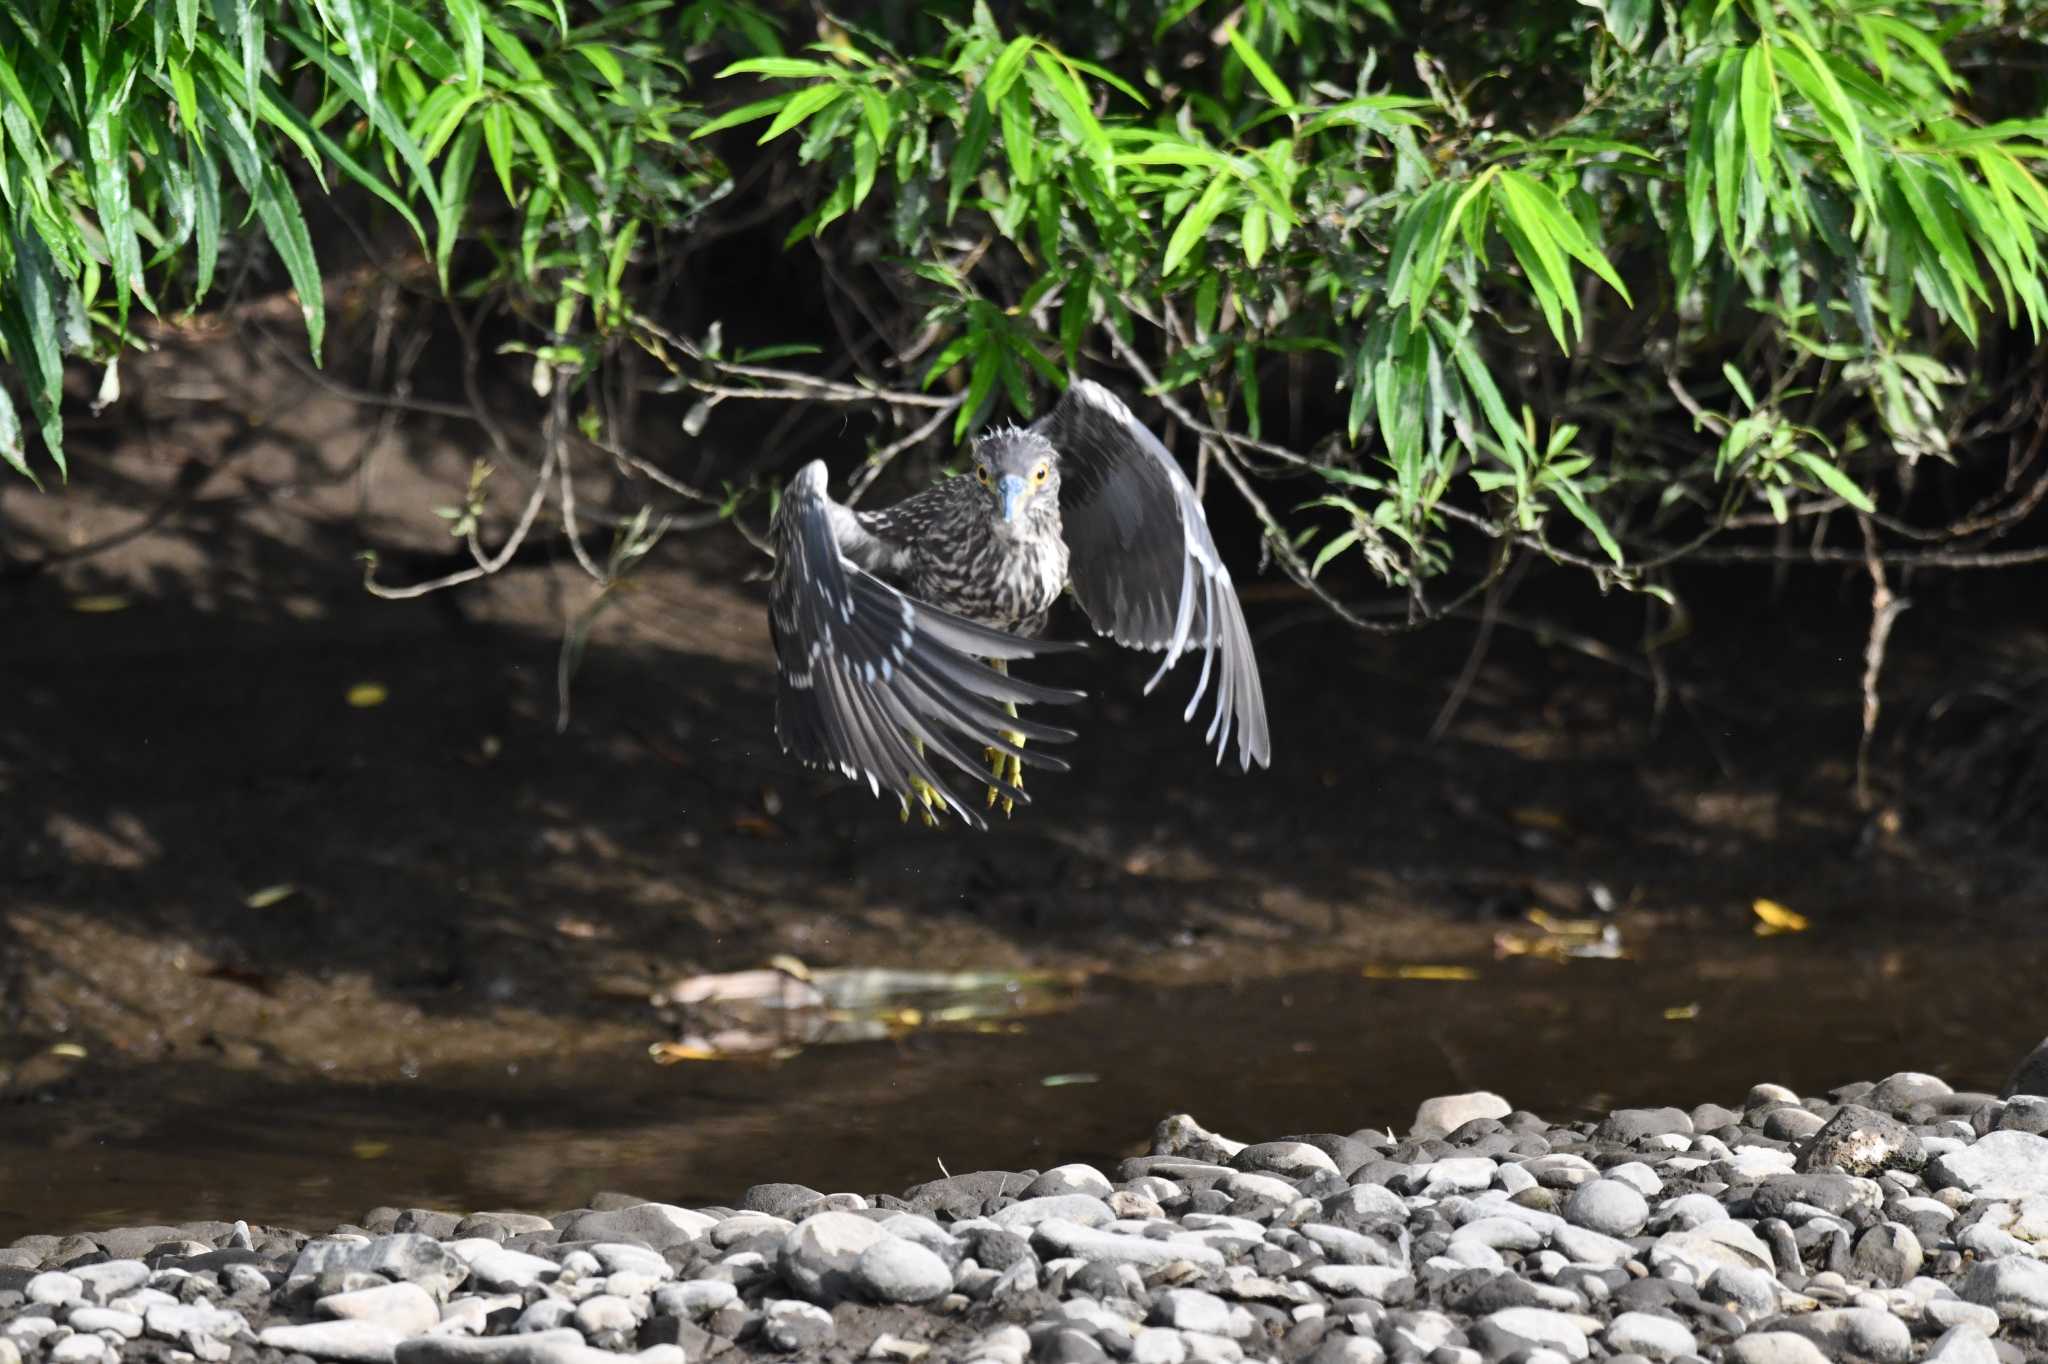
894	628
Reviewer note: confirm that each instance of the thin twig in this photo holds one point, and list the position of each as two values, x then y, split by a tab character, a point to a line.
1884	609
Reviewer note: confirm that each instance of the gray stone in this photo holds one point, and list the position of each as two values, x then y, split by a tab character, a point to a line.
896	1270
126	1325
1289	1159
2031	1075
1188	1309
1558	1331
1607	1206
2011	1285
404	1307
111	1278
1774	1347
1896	1093
1948	1313
1157	1345
1070	1179
620	1258
1861	1332
1707	1248
496	1269
1962	1345
538	1347
1862	1141
660	1225
82	1349
1062	1237
1649	1335
819	1253
1839	1194
351	1341
695	1299
1996	1165
1085	1209
54	1288
791	1326
1448	1112
411	1256
1887	1254
199	1327
1377	1282
1754	1293
605	1318
1584	1247
1633	1124
1791	1124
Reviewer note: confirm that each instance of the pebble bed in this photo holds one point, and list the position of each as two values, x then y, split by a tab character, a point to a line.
1894	1221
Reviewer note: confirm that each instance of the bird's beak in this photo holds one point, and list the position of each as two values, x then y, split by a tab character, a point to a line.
1011	494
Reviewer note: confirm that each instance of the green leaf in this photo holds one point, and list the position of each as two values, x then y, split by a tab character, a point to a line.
804	103
788	68
1839	483
498	141
604	61
12	447
1576	504
1627	20
1194	224
277	208
456	173
1336	545
468	22
1254	234
746	113
1007	66
1268	79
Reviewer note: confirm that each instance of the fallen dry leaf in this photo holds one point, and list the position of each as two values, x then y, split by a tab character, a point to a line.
1773	918
1411	971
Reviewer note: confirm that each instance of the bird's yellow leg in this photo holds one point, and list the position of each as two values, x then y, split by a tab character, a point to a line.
1007	768
931	803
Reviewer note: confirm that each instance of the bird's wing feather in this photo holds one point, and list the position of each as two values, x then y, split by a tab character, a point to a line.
865	669
1143	565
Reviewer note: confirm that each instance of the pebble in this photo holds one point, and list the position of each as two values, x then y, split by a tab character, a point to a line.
1608	1206
1887	1222
1649	1335
898	1270
1774	1347
352	1342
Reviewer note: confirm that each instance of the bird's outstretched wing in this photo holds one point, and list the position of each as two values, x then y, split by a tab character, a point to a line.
865	669
1143	565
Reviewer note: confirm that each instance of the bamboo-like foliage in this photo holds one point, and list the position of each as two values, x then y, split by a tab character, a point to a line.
1600	279
140	135
1792	208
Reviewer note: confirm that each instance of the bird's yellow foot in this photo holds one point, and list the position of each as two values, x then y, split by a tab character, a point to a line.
1005	767
931	802
1008	770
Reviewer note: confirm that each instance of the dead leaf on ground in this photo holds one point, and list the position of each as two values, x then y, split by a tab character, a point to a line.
1418	971
1773	918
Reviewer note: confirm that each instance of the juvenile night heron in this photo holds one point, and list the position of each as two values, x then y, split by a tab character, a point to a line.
883	619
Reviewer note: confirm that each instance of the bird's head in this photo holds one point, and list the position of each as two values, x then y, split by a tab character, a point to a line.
1020	471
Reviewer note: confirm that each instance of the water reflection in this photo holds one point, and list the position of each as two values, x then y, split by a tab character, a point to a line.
1688	1021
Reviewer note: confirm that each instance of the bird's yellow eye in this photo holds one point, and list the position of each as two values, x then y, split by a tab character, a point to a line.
981	472
1041	473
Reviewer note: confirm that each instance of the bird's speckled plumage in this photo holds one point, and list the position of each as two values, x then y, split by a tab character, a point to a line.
882	618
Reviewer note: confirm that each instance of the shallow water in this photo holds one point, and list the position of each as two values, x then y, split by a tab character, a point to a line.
1331	1052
